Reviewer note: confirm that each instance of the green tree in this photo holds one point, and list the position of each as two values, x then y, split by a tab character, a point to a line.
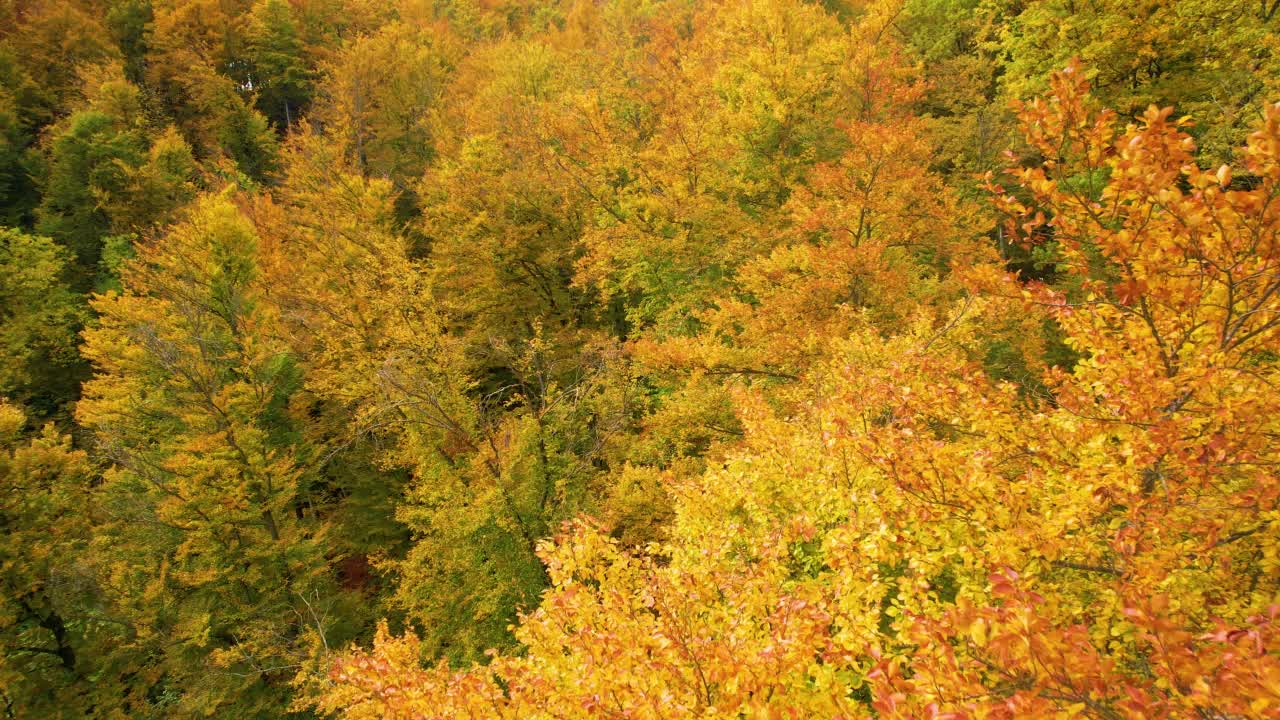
39	320
127	21
107	171
86	162
18	193
278	69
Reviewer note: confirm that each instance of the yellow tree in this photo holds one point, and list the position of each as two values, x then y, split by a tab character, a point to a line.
379	97
46	657
193	68
212	542
690	152
392	388
51	43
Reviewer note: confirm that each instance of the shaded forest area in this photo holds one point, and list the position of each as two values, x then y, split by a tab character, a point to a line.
639	359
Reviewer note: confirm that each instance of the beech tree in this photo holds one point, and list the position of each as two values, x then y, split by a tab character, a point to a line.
213	541
489	475
107	176
41	317
43	639
278	68
380	94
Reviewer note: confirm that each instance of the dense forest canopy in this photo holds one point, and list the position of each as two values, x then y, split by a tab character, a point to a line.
640	359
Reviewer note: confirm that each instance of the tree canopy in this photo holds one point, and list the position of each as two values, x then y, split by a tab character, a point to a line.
639	359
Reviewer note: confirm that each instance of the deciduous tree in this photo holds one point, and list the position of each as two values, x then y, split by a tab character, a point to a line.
213	542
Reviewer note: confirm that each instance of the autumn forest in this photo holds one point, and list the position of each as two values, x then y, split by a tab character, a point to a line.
644	359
